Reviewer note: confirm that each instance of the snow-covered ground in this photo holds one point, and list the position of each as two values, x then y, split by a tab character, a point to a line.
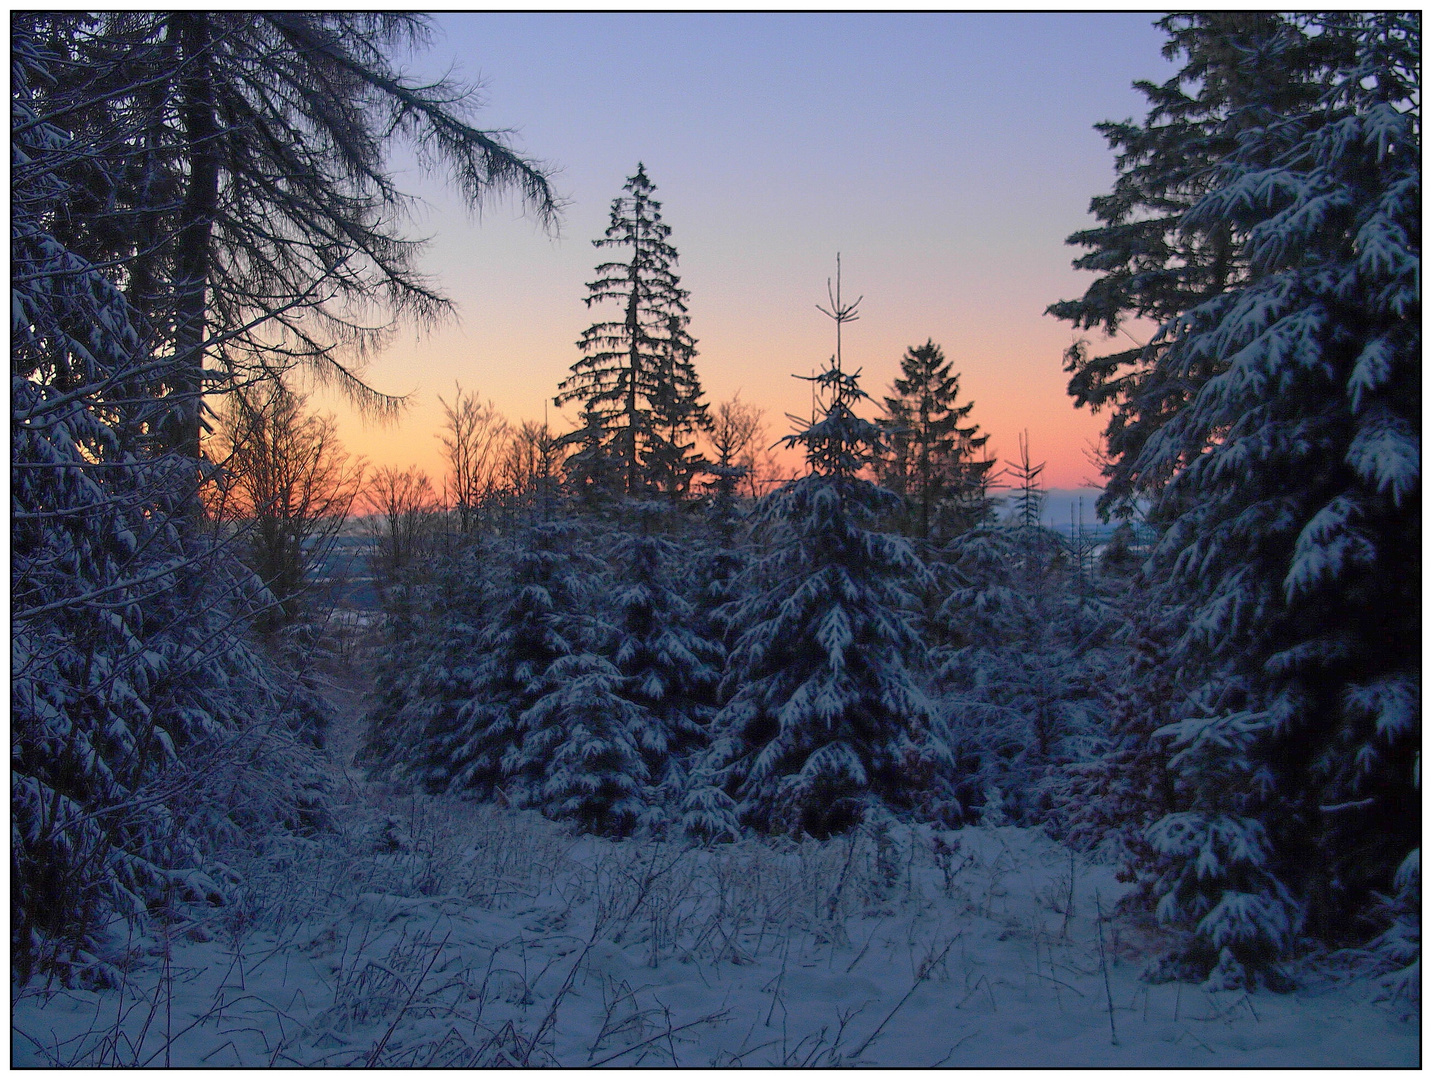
428	932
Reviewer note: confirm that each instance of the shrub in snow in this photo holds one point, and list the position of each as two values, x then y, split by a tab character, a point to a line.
824	704
1399	947
705	812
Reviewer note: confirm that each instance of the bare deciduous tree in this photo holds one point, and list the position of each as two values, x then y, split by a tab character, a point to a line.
474	437
532	462
738	439
290	482
402	517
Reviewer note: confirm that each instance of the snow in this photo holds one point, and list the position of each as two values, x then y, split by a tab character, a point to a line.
432	931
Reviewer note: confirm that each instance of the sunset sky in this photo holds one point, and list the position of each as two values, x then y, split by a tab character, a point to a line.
945	156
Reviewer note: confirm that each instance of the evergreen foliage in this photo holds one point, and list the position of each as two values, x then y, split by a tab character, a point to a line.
1020	654
825	712
1287	478
196	196
534	625
641	397
130	679
581	756
670	669
1242	71
428	668
1111	797
930	457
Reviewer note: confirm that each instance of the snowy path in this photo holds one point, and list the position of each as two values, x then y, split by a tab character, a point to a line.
431	932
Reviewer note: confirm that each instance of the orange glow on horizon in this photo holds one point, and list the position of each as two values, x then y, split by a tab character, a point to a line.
1010	394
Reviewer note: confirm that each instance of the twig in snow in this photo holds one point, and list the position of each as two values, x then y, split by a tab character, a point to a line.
1058	982
861	954
1103	963
776	993
923	975
834	901
1200	1042
1069	902
960	1042
670	1042
982	980
378	1049
239	1061
711	1019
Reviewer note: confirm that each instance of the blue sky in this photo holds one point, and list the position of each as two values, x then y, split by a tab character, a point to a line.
946	156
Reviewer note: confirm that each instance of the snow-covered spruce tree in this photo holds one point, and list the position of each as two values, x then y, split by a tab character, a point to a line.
1293	519
640	393
722	552
825	711
426	670
1112	796
1020	654
930	458
463	716
130	681
581	756
670	668
1241	70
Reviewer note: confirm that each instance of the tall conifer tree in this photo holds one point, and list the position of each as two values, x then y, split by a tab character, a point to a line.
930	456
1287	477
639	389
1242	71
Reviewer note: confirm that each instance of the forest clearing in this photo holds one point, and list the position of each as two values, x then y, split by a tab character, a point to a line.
645	735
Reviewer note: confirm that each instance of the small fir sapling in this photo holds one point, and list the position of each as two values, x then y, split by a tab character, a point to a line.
1215	862
429	669
580	758
1113	796
478	680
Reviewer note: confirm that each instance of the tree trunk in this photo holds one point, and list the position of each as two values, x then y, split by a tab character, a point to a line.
192	264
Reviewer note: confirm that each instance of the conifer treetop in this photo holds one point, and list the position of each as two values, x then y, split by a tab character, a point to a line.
640	392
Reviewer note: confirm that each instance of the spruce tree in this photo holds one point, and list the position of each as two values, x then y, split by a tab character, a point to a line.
825	715
639	390
131	681
1020	654
481	666
1242	71
670	668
580	758
930	457
1292	517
